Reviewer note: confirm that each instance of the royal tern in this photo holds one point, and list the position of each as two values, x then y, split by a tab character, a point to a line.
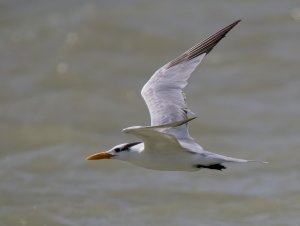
167	144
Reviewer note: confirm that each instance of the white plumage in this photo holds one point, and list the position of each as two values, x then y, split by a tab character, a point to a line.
167	144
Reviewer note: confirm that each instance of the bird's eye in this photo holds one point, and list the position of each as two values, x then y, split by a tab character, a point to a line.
117	149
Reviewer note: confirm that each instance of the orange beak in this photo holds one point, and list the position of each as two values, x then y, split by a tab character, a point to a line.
101	155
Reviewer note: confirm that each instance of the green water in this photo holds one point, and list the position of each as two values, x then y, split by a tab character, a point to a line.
70	77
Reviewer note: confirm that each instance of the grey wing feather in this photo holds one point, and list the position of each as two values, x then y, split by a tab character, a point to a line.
153	139
163	93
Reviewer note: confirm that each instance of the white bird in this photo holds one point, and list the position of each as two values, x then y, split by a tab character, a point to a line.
167	144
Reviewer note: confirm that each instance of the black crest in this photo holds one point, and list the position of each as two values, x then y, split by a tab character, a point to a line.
127	147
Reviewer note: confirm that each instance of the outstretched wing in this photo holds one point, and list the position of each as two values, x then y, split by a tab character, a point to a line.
163	93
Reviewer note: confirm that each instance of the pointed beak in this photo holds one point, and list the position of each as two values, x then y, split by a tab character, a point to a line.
101	155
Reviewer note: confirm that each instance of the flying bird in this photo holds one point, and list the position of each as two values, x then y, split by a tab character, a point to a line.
167	144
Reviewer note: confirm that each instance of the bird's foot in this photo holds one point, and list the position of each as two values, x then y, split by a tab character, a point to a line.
214	166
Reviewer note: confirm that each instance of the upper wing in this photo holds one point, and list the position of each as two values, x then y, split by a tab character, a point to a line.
163	93
155	140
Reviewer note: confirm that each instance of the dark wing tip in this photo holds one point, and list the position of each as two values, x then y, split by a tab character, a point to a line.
213	40
203	47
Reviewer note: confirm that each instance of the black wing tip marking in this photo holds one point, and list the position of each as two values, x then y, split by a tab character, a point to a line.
203	47
215	38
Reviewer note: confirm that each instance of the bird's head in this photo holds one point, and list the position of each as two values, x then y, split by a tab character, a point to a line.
121	151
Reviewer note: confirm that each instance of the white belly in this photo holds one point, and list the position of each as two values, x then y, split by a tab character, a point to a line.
170	161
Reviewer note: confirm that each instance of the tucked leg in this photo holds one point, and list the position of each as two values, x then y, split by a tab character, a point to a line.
214	166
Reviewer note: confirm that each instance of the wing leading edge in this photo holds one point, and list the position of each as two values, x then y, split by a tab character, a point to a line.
163	93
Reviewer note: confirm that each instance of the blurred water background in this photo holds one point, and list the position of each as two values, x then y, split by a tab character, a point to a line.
70	76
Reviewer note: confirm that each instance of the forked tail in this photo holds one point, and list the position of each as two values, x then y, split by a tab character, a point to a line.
236	160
